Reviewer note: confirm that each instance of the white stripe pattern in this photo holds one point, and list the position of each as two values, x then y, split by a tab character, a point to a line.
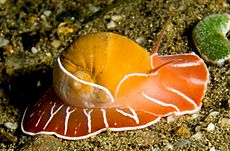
68	112
39	119
105	118
160	102
88	116
133	115
52	113
186	64
182	95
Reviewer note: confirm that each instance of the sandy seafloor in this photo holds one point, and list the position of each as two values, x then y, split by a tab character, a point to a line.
33	34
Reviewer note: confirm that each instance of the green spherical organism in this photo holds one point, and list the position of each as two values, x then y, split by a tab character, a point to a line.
210	38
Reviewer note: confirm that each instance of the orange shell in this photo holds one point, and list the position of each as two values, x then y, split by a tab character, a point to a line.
106	57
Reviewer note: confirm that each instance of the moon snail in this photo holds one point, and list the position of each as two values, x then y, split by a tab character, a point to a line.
107	81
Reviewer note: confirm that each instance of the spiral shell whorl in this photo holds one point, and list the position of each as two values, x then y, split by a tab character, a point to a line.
77	92
88	72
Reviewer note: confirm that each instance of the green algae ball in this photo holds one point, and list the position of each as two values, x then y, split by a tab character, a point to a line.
210	38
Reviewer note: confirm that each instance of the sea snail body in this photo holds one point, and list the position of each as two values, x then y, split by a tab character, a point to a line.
106	81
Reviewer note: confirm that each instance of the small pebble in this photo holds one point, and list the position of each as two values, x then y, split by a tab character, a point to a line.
62	30
225	122
184	131
43	16
56	44
140	39
182	143
170	146
47	13
171	118
93	8
197	136
111	25
212	149
116	18
34	50
194	116
8	49
198	128
33	20
4	42
48	54
11	126
210	127
39	83
214	114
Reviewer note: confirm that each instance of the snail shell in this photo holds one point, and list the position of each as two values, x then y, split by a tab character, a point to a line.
88	72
